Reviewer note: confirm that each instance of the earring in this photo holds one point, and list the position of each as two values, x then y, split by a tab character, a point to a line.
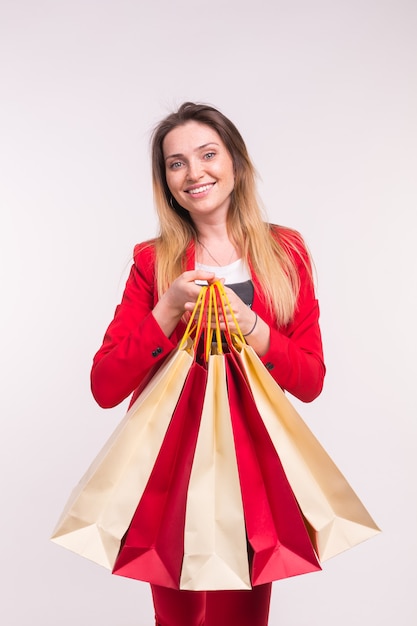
171	201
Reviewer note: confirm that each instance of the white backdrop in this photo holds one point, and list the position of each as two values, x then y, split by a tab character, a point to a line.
325	94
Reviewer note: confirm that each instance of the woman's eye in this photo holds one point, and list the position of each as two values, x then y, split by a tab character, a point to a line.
175	165
209	155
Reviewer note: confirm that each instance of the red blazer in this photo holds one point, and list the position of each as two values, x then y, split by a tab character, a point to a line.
134	343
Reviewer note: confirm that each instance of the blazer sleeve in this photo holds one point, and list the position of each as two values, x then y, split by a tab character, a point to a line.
295	356
134	343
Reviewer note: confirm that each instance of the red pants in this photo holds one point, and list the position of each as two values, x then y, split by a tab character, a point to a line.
211	608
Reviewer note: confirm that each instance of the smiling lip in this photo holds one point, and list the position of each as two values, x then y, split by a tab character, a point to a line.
194	191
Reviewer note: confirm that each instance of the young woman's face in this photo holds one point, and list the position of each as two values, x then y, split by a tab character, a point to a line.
199	170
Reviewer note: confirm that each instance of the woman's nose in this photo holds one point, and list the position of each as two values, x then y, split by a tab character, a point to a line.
195	170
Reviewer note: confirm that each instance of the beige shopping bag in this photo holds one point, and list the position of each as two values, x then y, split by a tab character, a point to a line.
336	518
215	548
101	507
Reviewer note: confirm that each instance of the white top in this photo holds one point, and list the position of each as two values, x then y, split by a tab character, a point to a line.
236	272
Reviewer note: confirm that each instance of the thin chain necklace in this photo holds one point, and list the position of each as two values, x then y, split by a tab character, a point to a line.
212	257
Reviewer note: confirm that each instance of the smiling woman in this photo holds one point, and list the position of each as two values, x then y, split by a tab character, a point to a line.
211	228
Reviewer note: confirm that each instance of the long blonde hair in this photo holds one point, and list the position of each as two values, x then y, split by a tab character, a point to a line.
268	254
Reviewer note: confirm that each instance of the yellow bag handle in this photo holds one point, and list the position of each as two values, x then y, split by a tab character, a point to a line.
227	307
212	310
197	312
211	300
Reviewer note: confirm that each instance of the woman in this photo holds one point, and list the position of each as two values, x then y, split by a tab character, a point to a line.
211	228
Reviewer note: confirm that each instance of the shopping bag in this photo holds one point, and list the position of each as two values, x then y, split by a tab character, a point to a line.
153	547
336	518
101	507
215	547
280	544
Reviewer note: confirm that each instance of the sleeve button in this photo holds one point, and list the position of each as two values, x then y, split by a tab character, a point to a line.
269	365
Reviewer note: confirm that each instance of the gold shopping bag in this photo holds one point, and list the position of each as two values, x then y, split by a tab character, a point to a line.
101	507
335	517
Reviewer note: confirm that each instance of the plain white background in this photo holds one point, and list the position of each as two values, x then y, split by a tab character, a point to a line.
325	94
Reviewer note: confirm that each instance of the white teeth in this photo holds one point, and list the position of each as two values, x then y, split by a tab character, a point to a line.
200	189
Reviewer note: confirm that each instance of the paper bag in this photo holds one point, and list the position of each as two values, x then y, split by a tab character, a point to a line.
102	505
281	546
215	548
336	518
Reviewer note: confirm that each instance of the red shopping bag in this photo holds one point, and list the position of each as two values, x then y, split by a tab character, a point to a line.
280	544
153	547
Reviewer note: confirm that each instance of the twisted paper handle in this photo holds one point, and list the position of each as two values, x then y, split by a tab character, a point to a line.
212	300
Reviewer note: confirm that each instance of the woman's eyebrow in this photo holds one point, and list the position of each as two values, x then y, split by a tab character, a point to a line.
179	154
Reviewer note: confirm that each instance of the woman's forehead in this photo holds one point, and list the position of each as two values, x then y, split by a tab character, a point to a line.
189	137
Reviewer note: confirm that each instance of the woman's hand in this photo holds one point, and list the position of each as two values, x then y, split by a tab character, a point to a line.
243	316
252	327
181	296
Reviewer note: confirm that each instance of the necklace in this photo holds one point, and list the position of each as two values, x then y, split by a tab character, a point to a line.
212	257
